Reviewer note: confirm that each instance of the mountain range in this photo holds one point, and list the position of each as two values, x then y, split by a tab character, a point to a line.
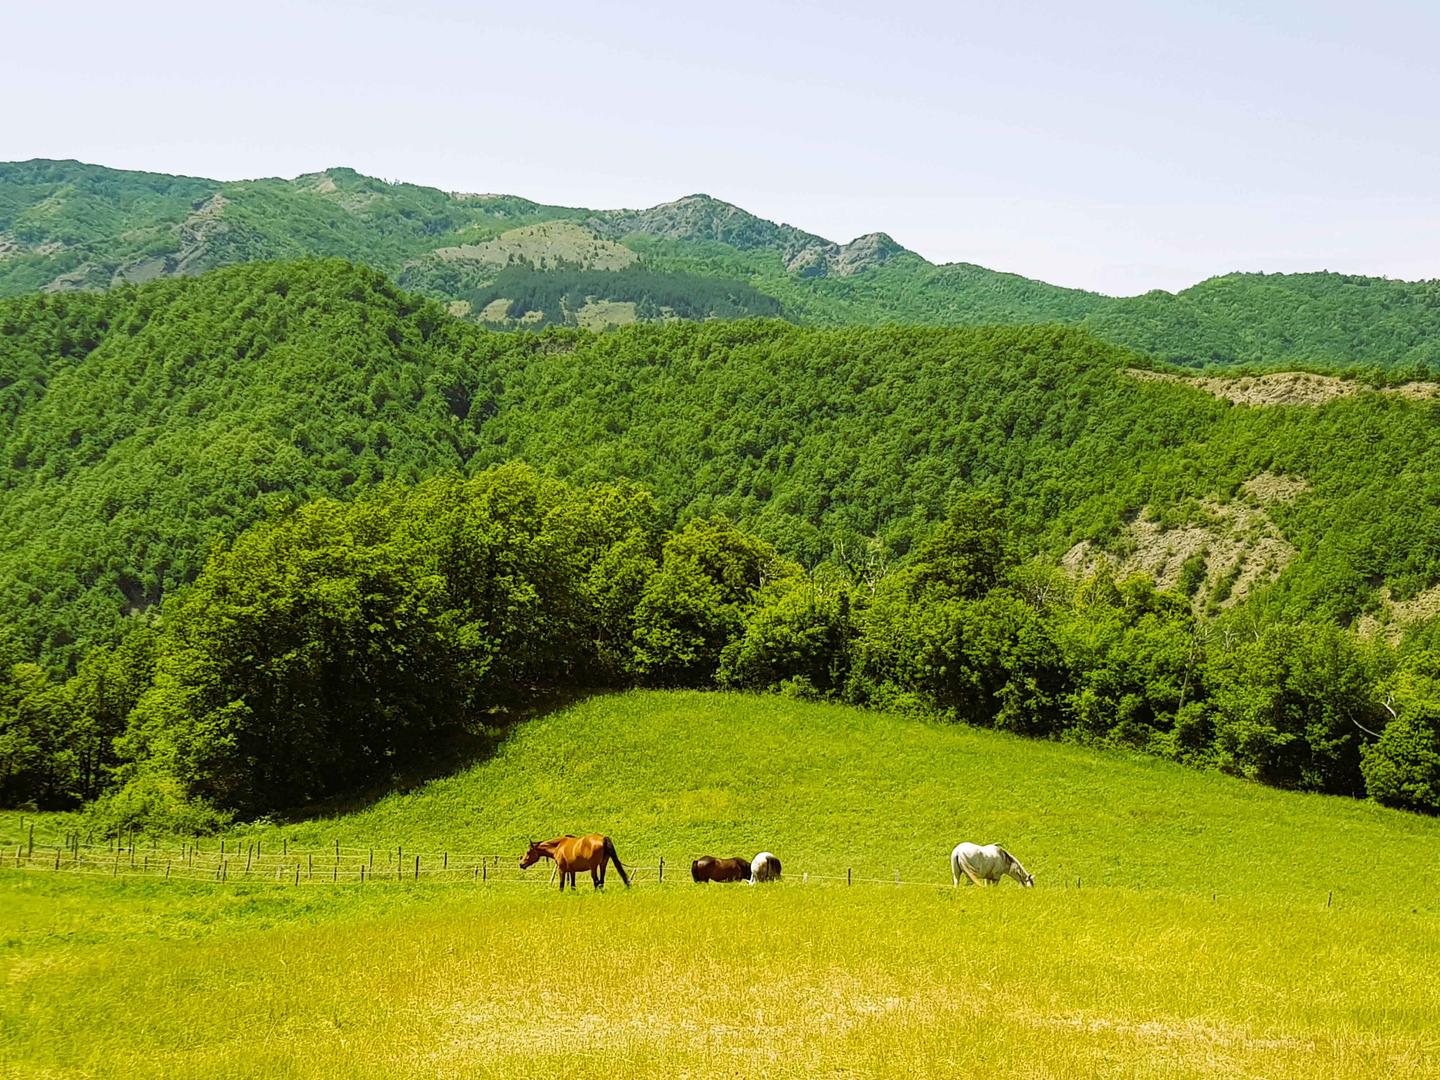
509	262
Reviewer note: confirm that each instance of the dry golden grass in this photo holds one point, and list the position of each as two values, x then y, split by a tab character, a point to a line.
680	979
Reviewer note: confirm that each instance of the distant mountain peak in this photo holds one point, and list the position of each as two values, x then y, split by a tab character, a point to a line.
703	218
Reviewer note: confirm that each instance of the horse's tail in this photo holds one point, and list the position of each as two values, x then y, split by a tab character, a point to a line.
610	854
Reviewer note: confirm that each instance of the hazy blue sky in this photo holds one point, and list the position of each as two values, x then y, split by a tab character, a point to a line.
1107	144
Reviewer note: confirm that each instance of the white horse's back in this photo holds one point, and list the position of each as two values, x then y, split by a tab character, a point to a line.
989	862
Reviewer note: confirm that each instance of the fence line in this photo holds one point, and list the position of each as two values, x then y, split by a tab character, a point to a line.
256	862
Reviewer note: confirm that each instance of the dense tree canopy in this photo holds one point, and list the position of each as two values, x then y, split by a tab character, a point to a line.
329	648
268	540
142	423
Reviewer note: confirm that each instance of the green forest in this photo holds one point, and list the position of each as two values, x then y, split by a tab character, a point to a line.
67	226
281	530
329	648
143	422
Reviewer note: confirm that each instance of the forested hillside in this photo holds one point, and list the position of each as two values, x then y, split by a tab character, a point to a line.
365	524
144	422
509	262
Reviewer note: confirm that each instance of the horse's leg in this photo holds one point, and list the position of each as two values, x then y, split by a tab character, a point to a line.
974	878
595	878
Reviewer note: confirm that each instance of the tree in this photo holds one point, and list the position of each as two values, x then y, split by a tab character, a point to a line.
698	602
797	637
1402	767
970	553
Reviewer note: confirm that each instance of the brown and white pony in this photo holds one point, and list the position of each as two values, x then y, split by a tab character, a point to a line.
989	864
764	867
575	853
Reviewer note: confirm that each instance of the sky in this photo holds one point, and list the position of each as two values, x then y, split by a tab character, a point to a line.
1109	145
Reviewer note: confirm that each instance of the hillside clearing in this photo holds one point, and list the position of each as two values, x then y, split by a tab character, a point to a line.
1283	387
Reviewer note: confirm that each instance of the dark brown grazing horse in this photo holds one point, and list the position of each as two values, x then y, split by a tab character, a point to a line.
572	853
710	868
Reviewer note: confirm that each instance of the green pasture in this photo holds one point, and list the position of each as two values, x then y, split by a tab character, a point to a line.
1219	928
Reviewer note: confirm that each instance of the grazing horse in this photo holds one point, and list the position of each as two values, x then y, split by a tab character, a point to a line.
709	868
764	867
989	863
572	853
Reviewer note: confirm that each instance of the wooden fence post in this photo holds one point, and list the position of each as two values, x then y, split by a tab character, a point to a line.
445	860
484	868
362	873
1329	897
248	852
848	871
310	864
297	874
372	858
417	867
337	849
31	850
662	869
167	871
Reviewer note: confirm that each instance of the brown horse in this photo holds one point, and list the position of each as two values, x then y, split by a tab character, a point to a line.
709	868
572	853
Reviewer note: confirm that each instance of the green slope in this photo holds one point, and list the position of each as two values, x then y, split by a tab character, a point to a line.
1218	929
64	225
828	787
144	422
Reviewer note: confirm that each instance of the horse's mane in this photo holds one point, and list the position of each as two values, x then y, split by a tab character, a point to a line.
1010	860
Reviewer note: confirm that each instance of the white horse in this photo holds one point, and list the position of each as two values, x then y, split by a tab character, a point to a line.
989	863
764	867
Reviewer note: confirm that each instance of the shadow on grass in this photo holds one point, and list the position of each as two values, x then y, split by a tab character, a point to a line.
455	753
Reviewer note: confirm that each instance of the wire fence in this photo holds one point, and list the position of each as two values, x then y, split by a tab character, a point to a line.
279	862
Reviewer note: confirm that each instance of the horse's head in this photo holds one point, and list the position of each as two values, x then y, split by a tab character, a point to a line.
1015	870
533	854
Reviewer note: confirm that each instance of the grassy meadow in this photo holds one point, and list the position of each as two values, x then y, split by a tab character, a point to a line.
1220	928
